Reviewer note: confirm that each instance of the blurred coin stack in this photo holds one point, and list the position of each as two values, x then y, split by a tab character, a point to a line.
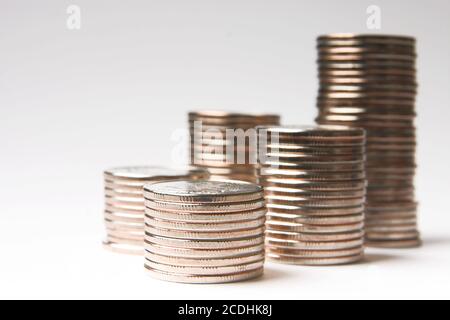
314	183
204	232
226	156
124	203
369	81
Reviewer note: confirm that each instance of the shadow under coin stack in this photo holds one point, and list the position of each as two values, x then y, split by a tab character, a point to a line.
204	232
124	203
210	143
314	182
370	82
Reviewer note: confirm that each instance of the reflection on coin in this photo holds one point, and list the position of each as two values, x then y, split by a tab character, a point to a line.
314	261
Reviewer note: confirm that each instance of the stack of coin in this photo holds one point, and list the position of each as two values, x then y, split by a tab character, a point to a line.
314	183
124	203
369	81
204	232
225	143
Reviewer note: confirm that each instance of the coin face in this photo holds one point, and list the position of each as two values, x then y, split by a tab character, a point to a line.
201	191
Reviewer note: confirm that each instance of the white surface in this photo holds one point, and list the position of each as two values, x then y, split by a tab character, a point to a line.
75	103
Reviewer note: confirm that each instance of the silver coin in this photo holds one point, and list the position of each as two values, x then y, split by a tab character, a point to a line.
209	262
195	226
195	279
201	191
152	173
206	217
394	244
191	235
201	207
203	253
123	249
309	228
405	235
314	261
316	245
319	254
124	240
314	195
285	235
316	220
314	203
209	271
307	211
205	244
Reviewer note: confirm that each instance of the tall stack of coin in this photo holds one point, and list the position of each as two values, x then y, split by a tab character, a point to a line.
369	81
124	203
314	183
204	232
225	143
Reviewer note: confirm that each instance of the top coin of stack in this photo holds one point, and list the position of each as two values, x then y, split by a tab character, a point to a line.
217	143
124	203
204	231
314	182
369	81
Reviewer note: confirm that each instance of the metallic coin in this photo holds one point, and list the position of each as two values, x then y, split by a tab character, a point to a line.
206	235
317	167
316	245
312	195
205	244
202	207
125	209
118	192
314	176
124	241
209	262
314	261
406	235
358	49
313	132
123	248
311	254
151	173
203	253
206	217
314	203
203	191
204	270
124	226
281	209
124	201
135	236
395	244
112	216
315	220
195	279
300	149
207	227
230	115
285	235
313	186
387	228
310	228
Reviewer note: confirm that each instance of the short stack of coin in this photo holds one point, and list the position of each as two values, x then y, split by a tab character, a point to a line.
369	81
124	203
314	183
211	147
204	232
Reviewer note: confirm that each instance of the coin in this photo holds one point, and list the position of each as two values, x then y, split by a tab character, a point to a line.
315	261
316	245
282	225
319	254
202	207
215	262
284	235
369	81
206	235
124	202
196	279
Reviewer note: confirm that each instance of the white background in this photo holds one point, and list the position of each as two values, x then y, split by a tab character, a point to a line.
73	103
